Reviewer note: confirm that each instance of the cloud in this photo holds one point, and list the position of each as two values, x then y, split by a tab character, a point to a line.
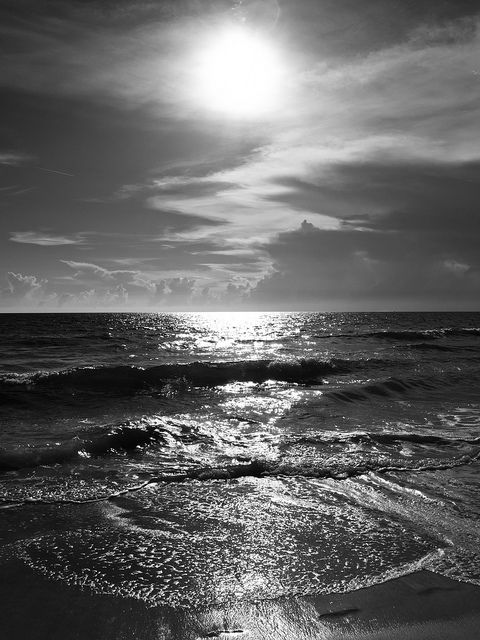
116	298
31	293
377	148
423	196
65	51
124	288
243	207
349	144
13	159
20	286
87	272
25	292
44	239
94	288
369	269
57	171
178	293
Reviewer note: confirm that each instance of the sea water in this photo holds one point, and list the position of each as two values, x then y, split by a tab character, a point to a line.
198	459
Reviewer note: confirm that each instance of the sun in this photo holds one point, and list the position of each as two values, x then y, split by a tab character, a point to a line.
239	73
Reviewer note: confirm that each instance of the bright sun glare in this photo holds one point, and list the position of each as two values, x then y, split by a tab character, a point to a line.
239	74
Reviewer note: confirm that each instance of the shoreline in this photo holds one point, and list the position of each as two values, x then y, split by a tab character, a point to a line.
420	605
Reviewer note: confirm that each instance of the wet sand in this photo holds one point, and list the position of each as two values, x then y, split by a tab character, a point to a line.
421	605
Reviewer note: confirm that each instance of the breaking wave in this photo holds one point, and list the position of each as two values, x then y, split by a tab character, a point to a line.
332	470
335	471
133	436
125	437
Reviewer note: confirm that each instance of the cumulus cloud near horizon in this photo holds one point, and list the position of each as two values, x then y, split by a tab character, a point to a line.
92	287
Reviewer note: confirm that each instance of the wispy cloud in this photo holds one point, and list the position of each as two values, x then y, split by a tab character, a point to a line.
149	63
58	171
91	272
418	102
13	159
44	239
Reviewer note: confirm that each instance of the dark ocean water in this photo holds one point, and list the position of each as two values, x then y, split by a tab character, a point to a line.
195	459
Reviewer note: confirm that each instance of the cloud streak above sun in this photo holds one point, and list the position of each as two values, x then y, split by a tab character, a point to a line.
364	139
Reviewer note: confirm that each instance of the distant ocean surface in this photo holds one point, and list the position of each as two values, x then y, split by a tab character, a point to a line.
194	459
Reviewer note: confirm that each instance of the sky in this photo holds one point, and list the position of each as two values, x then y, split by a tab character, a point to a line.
330	163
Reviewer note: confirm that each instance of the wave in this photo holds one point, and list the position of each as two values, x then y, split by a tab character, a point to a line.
125	437
334	470
406	334
122	378
136	435
428	346
426	334
387	388
384	438
465	331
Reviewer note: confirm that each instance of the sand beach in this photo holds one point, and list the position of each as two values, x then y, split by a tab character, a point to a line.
419	606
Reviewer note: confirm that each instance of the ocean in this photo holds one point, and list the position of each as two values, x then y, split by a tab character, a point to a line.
197	459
